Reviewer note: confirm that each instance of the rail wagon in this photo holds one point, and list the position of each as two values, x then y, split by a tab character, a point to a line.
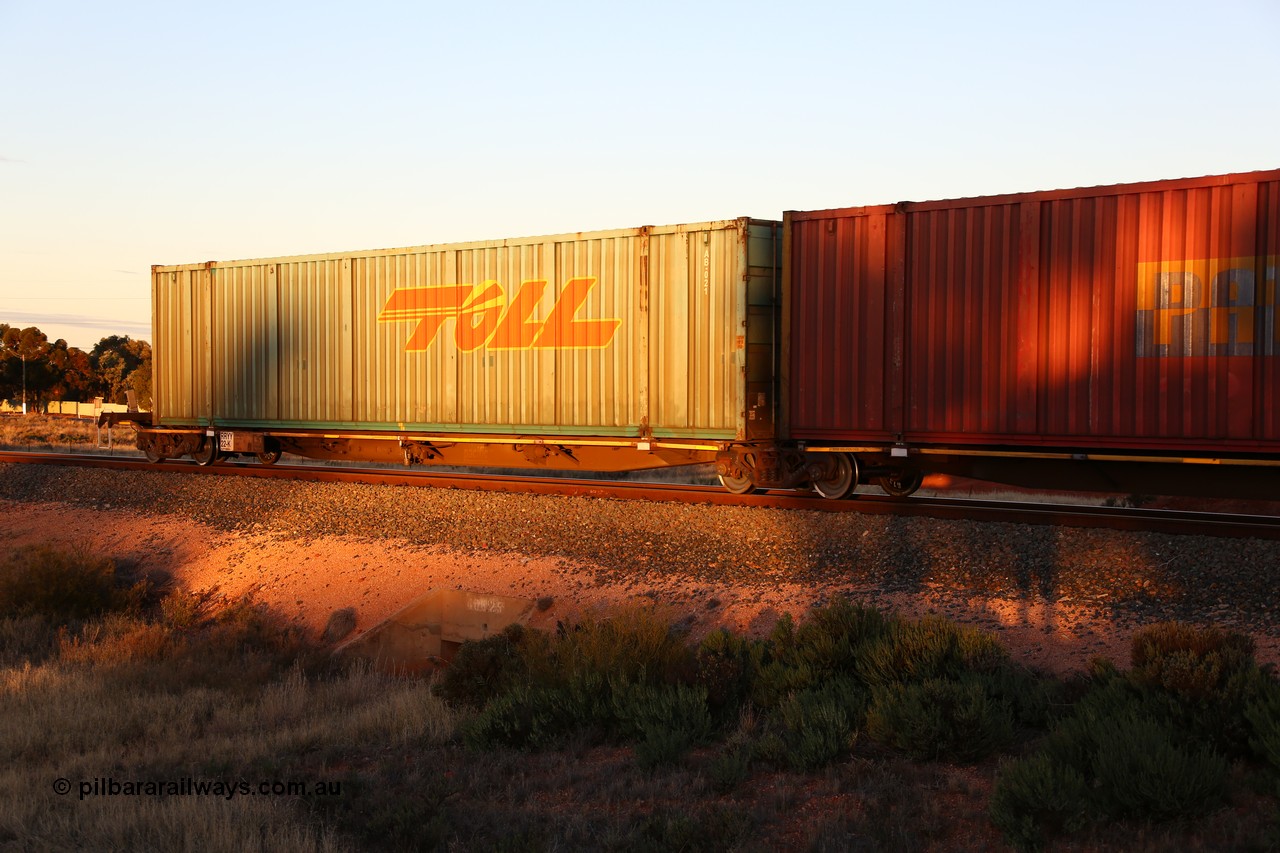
1116	338
600	351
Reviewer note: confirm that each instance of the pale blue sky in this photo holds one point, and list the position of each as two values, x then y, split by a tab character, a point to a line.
140	133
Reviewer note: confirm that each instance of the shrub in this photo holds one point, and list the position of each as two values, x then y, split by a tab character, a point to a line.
63	584
525	717
1074	739
723	669
642	710
629	645
939	718
1127	744
483	669
1032	697
1036	797
1120	753
1210	672
818	725
729	769
826	645
537	715
1143	769
186	610
1188	661
661	747
1263	714
931	648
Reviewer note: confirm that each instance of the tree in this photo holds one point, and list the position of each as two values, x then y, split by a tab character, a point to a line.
75	376
27	375
140	380
116	359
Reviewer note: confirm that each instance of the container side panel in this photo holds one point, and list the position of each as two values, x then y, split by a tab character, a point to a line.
595	384
610	333
315	351
839	325
697	330
1141	318
181	305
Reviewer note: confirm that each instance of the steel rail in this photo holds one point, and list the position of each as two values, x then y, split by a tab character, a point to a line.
1015	512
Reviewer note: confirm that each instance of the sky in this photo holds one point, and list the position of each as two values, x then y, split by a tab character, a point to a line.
140	133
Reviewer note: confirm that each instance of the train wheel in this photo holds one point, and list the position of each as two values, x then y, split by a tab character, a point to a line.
207	454
152	454
738	485
269	457
842	483
901	484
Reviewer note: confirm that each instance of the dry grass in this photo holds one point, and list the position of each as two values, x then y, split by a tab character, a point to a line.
185	688
77	722
45	433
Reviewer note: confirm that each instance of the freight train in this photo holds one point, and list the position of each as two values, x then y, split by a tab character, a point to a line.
1120	338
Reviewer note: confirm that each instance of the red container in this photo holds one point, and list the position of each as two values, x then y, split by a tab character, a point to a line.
1138	316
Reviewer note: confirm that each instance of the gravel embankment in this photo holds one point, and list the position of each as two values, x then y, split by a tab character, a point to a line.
1122	577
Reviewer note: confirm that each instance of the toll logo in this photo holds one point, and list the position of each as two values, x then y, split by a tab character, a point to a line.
483	316
1210	307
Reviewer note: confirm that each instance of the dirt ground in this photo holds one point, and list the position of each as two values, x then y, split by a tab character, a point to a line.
308	580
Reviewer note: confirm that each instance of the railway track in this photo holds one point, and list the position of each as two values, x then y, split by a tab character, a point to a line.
1017	512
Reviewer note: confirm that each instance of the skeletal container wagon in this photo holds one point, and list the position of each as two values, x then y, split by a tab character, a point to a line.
1118	338
600	351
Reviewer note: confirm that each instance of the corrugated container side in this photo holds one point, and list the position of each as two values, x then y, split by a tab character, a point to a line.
181	335
1138	315
611	333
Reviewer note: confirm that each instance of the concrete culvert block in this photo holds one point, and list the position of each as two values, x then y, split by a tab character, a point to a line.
429	630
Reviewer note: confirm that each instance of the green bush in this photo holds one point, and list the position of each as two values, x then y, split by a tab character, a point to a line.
642	709
661	747
63	585
1143	769
724	670
664	721
1035	797
729	769
1127	744
1073	740
1033	697
1210	672
241	645
818	725
629	645
826	645
483	669
930	648
1121	752
940	718
526	717
1188	661
1263	714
